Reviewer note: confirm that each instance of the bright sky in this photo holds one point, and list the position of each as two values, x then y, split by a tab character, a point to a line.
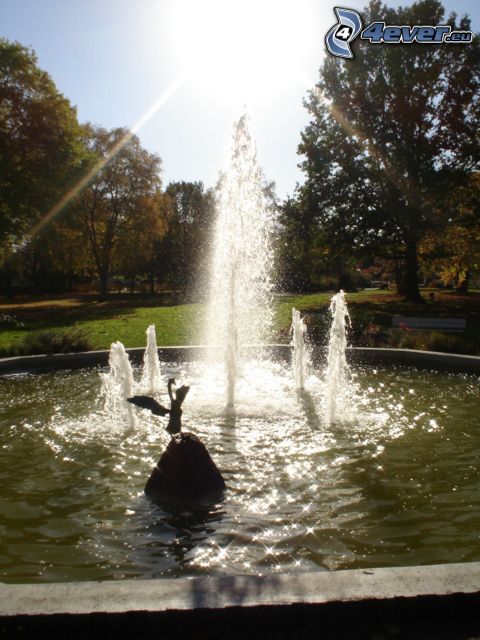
202	59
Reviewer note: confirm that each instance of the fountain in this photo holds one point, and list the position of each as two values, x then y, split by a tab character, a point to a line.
240	307
394	485
299	356
338	376
231	348
151	377
117	386
378	470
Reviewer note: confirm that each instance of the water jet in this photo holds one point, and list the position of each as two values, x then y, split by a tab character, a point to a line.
312	486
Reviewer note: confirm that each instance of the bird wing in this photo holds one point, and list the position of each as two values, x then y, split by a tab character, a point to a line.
181	393
149	403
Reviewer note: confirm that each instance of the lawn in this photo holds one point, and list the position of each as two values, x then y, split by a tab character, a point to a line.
119	318
126	318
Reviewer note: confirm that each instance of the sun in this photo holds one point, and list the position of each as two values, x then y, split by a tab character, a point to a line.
236	51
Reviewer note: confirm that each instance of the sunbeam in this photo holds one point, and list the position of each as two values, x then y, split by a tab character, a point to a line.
100	164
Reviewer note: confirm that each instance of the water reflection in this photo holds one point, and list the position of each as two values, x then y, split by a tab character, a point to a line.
309	408
396	485
171	533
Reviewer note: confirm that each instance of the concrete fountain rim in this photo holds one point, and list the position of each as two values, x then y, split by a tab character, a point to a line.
223	592
410	585
433	360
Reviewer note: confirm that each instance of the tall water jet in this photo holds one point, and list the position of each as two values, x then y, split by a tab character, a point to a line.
231	353
117	385
240	306
338	372
299	356
151	378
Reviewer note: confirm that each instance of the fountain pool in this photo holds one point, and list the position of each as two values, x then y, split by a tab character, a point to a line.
395	485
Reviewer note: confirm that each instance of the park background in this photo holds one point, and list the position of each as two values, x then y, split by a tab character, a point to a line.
114	124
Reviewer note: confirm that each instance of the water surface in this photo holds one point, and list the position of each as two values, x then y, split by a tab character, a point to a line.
398	483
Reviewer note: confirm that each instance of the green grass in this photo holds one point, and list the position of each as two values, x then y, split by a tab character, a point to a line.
103	323
174	326
126	318
318	303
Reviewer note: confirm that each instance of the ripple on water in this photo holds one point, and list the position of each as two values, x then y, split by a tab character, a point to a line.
397	484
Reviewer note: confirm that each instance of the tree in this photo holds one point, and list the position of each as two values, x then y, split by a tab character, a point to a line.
139	245
57	257
392	132
297	240
454	255
187	241
117	193
40	143
307	261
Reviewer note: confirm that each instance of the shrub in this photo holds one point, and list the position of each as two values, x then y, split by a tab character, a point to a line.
433	341
51	341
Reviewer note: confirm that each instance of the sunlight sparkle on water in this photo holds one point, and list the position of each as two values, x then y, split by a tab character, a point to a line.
303	494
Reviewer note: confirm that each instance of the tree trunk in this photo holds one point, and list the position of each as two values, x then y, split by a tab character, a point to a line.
8	281
399	278
412	292
103	285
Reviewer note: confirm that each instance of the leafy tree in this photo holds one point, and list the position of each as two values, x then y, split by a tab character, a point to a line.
186	245
392	133
297	240
454	255
139	245
40	144
116	195
307	261
57	257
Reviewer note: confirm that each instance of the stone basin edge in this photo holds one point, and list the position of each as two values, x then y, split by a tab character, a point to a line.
434	360
166	594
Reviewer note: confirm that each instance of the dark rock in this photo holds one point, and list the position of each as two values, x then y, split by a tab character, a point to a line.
185	472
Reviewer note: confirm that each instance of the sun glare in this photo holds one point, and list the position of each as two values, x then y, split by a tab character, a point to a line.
236	51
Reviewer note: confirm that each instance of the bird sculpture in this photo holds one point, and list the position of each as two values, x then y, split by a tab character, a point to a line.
177	396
